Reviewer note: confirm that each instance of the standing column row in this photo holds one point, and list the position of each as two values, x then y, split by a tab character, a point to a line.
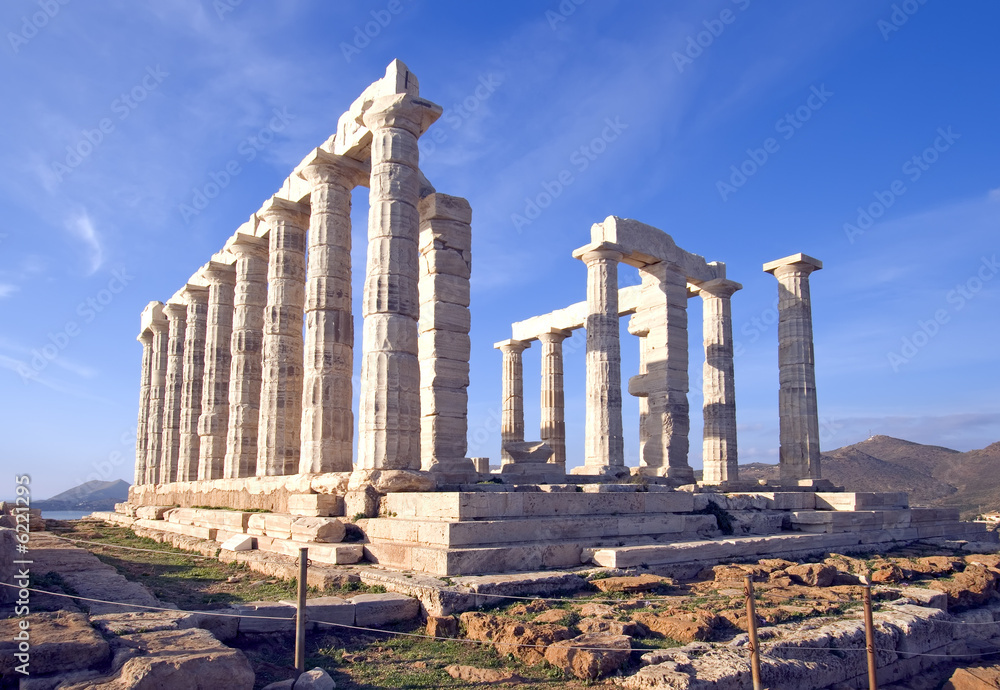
214	420
173	390
159	329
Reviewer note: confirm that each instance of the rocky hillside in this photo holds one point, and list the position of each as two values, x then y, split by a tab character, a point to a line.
93	495
932	475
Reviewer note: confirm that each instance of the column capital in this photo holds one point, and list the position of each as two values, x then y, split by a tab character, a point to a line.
243	245
321	167
175	311
280	209
146	337
216	272
796	263
597	251
403	111
554	336
151	314
661	269
512	346
194	293
719	287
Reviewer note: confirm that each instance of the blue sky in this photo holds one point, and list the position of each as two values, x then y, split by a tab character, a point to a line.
117	115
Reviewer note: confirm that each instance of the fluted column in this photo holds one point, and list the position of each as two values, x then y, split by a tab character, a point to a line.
553	404
604	449
214	419
142	429
250	298
637	327
327	415
279	433
389	427
719	452
196	299
157	382
173	392
797	406
512	392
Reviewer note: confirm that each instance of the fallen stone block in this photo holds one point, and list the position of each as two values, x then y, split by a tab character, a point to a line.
59	642
930	598
372	610
328	610
442	626
151	512
974	678
318	529
637	583
590	656
238	542
482	676
265	617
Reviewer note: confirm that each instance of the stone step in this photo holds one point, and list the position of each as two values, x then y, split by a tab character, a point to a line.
832	521
527	530
491	506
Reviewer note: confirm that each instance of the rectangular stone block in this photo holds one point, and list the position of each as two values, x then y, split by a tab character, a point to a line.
207	533
151	512
445	402
444	288
444	207
271	525
860	500
444	316
238	542
445	261
322	530
330	610
373	610
315	505
445	344
258	617
444	373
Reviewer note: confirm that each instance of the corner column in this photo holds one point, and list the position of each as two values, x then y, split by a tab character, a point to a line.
157	381
250	298
389	426
214	419
553	403
279	433
719	450
512	406
173	392
196	299
797	406
142	428
327	415
604	445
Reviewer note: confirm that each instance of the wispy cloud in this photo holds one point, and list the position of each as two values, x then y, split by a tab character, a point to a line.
6	290
82	227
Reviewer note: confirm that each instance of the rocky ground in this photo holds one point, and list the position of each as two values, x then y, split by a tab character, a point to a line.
638	630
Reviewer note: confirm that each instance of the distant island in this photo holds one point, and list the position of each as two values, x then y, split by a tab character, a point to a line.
93	495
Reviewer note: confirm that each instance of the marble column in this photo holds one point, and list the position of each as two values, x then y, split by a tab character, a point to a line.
604	449
389	425
327	415
553	403
668	423
142	429
512	392
249	300
797	407
196	299
636	385
214	419
157	383
279	433
719	453
173	392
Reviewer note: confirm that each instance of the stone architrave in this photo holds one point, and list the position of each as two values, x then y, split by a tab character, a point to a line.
214	419
279	432
665	384
157	382
719	452
146	338
553	402
604	450
443	345
797	407
512	405
250	298
389	425
173	391
327	416
196	298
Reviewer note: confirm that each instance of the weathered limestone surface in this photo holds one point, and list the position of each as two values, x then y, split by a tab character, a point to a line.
173	390
719	453
553	404
389	433
214	419
196	298
512	402
247	493
279	433
327	417
157	382
142	431
797	408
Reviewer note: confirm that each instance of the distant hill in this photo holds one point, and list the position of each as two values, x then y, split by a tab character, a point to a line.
93	495
931	475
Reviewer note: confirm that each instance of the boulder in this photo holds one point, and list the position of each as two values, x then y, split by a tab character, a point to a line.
481	676
590	656
316	679
442	626
974	678
680	626
887	573
637	583
614	627
972	587
526	641
812	574
59	642
190	659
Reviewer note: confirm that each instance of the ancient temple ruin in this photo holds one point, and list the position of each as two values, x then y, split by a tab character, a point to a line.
246	391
